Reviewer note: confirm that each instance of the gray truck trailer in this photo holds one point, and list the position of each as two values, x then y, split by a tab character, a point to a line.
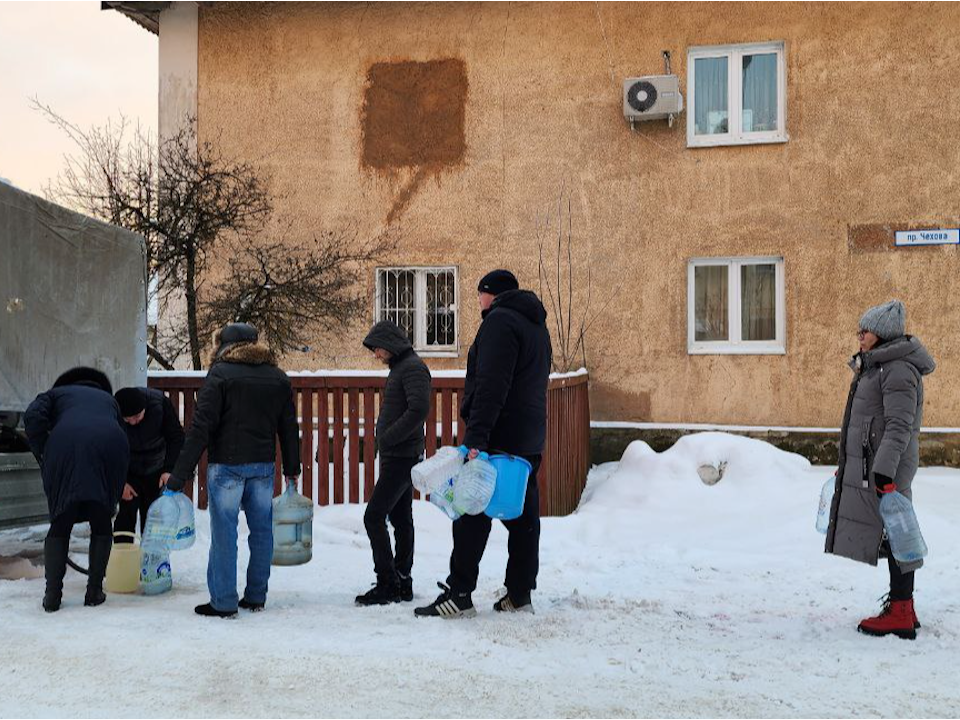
72	292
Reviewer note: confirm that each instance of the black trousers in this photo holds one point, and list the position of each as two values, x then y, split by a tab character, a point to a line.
96	514
901	583
392	498
148	489
470	535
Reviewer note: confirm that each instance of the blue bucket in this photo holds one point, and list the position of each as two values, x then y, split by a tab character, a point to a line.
512	475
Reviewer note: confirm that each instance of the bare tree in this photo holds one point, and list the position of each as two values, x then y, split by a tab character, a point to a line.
184	197
291	292
560	286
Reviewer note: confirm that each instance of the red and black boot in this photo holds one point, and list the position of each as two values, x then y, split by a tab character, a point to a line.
896	618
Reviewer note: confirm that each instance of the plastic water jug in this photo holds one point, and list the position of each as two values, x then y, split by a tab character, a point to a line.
434	472
186	523
123	568
163	520
292	527
903	530
155	577
474	485
826	500
442	497
512	475
163	523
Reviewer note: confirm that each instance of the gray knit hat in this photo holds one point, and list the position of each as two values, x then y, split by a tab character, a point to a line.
887	321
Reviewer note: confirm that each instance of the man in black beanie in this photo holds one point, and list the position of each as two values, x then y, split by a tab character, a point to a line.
505	411
156	437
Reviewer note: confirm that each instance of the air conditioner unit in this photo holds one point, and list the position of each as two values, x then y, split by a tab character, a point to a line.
654	97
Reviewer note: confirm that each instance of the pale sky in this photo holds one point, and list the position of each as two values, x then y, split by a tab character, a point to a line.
88	64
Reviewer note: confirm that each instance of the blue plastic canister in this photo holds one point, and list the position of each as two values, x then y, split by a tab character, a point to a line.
512	475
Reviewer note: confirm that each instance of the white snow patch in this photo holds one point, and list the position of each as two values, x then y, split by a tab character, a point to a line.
659	597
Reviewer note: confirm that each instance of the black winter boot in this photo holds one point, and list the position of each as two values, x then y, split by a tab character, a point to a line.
450	604
379	594
406	588
100	546
55	551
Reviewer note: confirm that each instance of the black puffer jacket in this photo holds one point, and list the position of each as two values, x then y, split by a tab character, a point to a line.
246	402
406	396
155	441
508	368
76	433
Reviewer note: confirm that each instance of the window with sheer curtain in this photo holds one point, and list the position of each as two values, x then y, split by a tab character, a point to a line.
736	305
736	95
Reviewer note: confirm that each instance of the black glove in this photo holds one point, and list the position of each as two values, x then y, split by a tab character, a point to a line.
884	484
174	484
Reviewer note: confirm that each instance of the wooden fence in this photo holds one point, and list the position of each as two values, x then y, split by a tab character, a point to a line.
339	408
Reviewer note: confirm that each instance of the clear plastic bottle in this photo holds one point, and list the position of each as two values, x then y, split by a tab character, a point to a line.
903	530
473	487
186	523
159	536
433	473
292	527
826	500
442	497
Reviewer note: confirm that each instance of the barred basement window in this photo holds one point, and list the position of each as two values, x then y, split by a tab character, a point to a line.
423	303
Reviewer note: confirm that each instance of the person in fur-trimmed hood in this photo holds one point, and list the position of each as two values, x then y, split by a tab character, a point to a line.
244	405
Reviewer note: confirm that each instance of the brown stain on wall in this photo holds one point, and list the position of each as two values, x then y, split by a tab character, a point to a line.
413	118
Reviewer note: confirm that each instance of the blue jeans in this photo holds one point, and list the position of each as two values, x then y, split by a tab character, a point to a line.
231	487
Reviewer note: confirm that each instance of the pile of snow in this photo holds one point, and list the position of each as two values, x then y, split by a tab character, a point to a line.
661	596
761	491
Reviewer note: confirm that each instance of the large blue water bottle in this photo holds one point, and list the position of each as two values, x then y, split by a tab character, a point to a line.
903	530
186	523
159	535
292	527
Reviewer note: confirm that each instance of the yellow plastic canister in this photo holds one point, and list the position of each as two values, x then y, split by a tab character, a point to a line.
123	569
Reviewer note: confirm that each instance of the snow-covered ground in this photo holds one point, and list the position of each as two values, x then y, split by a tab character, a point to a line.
661	597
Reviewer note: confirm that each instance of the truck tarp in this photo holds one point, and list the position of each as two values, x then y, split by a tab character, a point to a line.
72	292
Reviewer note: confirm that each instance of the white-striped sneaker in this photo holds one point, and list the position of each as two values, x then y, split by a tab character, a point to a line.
448	605
507	604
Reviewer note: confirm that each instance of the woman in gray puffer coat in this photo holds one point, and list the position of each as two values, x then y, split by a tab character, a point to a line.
880	452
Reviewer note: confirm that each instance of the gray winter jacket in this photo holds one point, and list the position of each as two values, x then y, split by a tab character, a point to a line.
880	434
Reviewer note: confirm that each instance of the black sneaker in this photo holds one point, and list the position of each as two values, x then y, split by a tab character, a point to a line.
251	606
406	588
509	604
379	595
448	605
208	610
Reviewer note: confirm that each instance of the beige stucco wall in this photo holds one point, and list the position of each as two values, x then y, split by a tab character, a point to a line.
873	97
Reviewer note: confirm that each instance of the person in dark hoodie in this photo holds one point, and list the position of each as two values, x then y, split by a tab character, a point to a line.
245	404
155	436
505	411
76	433
400	441
880	453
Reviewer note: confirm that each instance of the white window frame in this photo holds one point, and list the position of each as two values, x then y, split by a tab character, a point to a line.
734	345
734	55
420	307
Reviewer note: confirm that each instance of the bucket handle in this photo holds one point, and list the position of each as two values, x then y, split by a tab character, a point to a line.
125	532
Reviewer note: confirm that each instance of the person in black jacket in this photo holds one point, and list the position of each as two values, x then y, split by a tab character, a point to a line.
400	439
155	436
75	432
244	405
505	411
